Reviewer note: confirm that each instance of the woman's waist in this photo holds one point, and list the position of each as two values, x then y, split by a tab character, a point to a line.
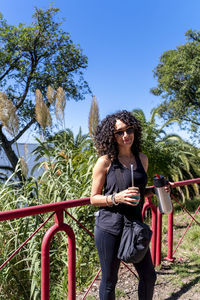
122	211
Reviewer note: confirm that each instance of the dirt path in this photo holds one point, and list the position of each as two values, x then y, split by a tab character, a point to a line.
166	287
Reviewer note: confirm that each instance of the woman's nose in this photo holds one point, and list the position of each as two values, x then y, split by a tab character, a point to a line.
125	133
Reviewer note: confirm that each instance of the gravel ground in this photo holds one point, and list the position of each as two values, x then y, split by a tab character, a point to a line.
165	289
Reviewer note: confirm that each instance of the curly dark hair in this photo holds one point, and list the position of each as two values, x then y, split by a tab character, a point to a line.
104	138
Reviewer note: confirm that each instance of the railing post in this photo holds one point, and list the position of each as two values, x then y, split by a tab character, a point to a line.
154	235
159	237
170	238
45	262
149	204
45	276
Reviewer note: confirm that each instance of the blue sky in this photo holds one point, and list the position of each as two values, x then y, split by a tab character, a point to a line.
123	41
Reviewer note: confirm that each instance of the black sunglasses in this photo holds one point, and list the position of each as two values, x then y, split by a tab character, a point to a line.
128	130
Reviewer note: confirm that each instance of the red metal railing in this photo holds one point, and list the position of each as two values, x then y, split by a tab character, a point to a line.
58	210
149	205
170	251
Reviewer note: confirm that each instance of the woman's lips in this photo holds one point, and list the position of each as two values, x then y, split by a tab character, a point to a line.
127	140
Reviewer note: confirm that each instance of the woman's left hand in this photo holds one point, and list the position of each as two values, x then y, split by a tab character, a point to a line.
127	196
168	187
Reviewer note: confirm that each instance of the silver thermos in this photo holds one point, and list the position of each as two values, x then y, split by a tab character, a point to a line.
165	204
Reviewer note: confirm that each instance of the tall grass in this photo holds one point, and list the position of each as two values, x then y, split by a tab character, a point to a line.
67	175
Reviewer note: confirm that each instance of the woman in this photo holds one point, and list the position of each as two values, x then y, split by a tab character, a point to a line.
118	142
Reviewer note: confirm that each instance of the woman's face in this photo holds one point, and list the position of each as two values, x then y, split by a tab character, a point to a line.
124	134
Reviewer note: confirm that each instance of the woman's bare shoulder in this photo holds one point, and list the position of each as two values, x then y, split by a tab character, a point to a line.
103	161
143	156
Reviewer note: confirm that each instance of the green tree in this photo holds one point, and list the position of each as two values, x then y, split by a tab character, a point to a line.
33	58
178	77
153	145
168	154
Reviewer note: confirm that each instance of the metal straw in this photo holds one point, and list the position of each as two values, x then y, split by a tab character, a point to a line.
132	175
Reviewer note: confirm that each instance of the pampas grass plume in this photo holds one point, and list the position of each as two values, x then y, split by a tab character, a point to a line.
60	103
51	95
8	115
23	166
42	113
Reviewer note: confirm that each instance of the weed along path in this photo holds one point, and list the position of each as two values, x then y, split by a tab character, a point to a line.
177	280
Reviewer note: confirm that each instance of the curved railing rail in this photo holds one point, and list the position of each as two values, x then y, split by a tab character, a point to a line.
58	209
40	209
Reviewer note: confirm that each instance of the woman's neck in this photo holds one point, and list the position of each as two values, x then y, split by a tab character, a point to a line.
127	158
125	153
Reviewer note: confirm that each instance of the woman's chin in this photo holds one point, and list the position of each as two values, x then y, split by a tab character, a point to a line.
128	142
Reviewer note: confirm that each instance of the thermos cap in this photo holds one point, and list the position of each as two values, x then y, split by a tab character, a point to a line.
159	181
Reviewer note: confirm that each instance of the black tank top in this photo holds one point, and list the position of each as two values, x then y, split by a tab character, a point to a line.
111	218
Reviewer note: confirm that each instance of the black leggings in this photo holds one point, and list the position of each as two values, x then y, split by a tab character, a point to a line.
107	245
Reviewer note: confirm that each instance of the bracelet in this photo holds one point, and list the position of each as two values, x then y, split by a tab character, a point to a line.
113	199
107	201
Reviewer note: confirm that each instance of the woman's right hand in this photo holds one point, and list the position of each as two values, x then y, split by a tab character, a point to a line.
125	196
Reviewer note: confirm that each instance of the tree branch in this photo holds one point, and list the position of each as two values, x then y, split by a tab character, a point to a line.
10	68
22	131
7	168
187	119
26	88
34	63
75	68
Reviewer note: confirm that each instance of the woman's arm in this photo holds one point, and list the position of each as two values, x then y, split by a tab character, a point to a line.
99	175
144	160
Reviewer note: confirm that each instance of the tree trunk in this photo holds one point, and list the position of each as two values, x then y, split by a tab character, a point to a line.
10	153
